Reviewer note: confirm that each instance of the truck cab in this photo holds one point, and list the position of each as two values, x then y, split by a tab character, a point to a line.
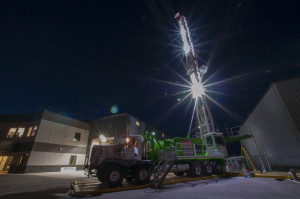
125	159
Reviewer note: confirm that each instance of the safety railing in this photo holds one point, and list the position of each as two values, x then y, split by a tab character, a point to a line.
233	164
188	149
233	131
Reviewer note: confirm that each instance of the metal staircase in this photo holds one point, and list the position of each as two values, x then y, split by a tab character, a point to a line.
245	153
163	167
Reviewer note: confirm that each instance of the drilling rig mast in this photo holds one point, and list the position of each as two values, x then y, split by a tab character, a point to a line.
204	118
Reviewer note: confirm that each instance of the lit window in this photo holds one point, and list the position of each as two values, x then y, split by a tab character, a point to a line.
34	131
19	162
20	132
162	135
77	137
11	132
137	123
28	131
73	160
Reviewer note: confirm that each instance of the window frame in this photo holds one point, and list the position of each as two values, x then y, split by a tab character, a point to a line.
34	130
77	138
10	134
21	135
73	159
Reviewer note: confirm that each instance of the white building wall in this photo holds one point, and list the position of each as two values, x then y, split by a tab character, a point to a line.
51	159
57	136
56	133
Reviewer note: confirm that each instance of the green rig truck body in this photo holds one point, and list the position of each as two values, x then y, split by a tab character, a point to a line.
137	157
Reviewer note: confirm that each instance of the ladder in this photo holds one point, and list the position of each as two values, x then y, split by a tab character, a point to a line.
245	153
161	171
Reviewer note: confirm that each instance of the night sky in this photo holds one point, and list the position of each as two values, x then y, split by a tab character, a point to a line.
81	58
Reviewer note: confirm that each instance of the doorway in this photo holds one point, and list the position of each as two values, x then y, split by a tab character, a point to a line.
5	162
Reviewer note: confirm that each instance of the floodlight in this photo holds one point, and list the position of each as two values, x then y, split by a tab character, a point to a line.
197	90
102	138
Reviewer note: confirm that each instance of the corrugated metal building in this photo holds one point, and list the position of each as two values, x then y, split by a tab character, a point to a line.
107	130
275	126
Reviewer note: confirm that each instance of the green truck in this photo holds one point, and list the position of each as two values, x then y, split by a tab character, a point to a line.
138	157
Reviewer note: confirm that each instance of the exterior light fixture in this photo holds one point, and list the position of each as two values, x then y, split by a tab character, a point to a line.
102	138
197	88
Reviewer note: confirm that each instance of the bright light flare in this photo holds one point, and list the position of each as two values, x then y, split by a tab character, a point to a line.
197	90
127	140
186	46
102	138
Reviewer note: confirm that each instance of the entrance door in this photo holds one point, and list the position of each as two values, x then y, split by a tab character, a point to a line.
5	162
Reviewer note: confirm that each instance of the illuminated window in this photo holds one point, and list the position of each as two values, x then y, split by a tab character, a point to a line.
11	132
20	158
20	132
34	131
73	160
162	135
28	131
77	137
137	123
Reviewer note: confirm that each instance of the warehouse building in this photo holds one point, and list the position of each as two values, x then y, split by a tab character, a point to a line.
275	126
46	141
108	130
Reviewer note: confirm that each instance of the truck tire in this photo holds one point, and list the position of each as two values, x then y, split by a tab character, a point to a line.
196	169
100	176
113	176
208	169
218	168
141	174
179	173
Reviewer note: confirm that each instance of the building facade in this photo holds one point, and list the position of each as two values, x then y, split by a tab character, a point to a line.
275	126
108	130
46	141
42	141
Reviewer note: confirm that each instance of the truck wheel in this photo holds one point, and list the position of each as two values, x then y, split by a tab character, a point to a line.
100	176
196	169
113	176
218	168
141	174
179	173
208	169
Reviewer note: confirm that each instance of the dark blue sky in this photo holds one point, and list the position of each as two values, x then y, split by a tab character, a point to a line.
80	58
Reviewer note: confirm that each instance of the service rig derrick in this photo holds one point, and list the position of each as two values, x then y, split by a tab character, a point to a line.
138	157
204	118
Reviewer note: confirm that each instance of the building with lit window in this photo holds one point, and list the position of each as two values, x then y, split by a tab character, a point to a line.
46	141
42	141
107	130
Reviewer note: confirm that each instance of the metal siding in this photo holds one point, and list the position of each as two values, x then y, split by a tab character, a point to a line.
273	132
289	92
134	129
114	126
